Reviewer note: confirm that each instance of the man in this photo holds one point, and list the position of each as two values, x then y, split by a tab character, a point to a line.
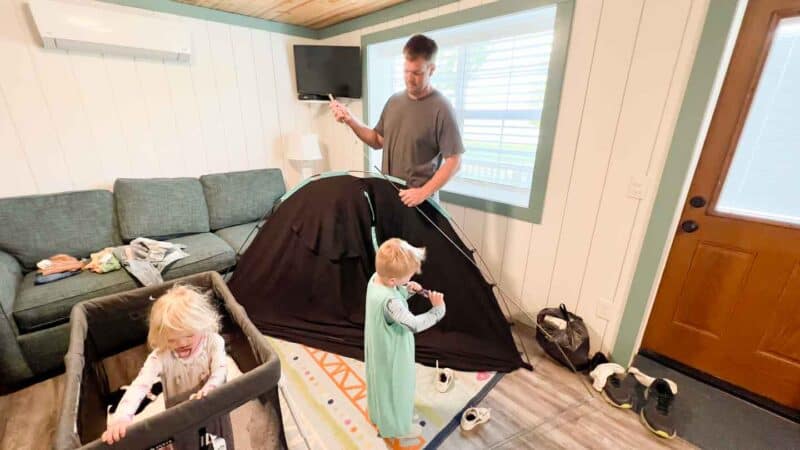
417	128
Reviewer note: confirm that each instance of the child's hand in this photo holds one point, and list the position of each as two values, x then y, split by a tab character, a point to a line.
116	430
436	298
413	287
201	393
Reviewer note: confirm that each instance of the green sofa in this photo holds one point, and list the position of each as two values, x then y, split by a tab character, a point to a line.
212	216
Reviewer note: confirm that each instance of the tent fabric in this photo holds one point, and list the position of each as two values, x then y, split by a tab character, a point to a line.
304	276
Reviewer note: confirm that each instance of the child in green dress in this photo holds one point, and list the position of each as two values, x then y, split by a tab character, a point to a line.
389	329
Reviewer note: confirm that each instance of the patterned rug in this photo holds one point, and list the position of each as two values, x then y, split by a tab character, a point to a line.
324	402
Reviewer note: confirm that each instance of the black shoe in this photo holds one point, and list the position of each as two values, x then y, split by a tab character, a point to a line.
620	390
597	359
657	408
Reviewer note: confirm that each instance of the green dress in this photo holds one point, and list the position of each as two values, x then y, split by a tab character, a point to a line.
389	361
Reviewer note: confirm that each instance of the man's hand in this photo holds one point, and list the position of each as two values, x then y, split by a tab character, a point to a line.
340	112
414	196
367	135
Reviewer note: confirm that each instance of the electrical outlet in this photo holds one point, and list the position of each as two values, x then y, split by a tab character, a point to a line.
605	309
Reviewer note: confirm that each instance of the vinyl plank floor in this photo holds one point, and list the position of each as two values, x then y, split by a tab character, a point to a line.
548	407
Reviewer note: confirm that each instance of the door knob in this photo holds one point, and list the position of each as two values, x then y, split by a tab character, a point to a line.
689	226
697	202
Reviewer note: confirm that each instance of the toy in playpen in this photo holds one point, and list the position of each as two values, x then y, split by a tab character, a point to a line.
110	325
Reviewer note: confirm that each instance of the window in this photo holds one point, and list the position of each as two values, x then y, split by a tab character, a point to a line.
499	72
762	179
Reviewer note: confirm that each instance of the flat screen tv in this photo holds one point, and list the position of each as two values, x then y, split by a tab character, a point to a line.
321	70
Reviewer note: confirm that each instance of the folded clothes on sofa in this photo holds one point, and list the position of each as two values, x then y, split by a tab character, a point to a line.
145	258
103	261
59	263
44	279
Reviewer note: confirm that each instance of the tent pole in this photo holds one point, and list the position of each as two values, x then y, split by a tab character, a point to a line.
255	229
539	327
511	323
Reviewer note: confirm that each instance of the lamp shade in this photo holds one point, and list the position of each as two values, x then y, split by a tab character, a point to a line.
303	147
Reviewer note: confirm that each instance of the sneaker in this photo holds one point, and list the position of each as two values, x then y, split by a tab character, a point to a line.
615	386
644	382
444	378
620	391
473	417
602	372
656	411
597	359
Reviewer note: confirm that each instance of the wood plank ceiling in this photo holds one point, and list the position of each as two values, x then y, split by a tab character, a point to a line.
314	14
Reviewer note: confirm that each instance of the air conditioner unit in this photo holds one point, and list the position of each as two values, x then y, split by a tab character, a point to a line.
89	26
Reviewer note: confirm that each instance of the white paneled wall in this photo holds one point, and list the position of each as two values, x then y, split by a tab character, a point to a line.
76	121
71	120
627	68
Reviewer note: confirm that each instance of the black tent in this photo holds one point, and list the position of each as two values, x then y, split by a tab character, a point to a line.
304	276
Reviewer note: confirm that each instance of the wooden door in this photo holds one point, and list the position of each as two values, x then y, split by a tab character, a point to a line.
729	301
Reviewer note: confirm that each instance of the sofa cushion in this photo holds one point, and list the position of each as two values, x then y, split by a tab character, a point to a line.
76	223
46	305
236	235
235	198
206	252
159	207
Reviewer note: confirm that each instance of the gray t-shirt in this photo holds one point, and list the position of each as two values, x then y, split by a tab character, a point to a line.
417	134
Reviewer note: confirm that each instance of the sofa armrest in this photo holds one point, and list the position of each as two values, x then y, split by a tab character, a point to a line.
13	366
10	278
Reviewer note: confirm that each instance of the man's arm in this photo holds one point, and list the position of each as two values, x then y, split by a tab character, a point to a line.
414	196
446	172
365	133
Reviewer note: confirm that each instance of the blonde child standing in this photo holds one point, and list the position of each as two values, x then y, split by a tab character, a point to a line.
188	358
389	329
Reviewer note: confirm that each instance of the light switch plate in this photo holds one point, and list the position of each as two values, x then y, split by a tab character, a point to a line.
605	309
638	187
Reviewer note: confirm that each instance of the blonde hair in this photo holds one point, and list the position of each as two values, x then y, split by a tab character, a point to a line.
182	309
397	258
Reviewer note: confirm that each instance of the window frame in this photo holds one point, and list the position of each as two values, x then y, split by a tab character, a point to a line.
552	97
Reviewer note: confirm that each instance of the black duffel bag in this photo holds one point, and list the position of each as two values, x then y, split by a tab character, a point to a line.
573	339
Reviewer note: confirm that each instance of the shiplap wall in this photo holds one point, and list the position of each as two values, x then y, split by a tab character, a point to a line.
75	121
71	120
627	68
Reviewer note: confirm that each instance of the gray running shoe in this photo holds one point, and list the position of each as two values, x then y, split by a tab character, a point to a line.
655	413
620	390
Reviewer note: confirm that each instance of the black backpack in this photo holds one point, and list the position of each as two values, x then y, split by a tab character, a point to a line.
573	340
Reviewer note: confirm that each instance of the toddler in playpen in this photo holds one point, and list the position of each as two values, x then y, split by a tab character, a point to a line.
389	329
188	357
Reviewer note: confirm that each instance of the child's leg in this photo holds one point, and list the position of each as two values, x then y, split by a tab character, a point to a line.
398	420
413	432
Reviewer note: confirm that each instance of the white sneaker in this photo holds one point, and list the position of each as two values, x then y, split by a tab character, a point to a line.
473	417
444	378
